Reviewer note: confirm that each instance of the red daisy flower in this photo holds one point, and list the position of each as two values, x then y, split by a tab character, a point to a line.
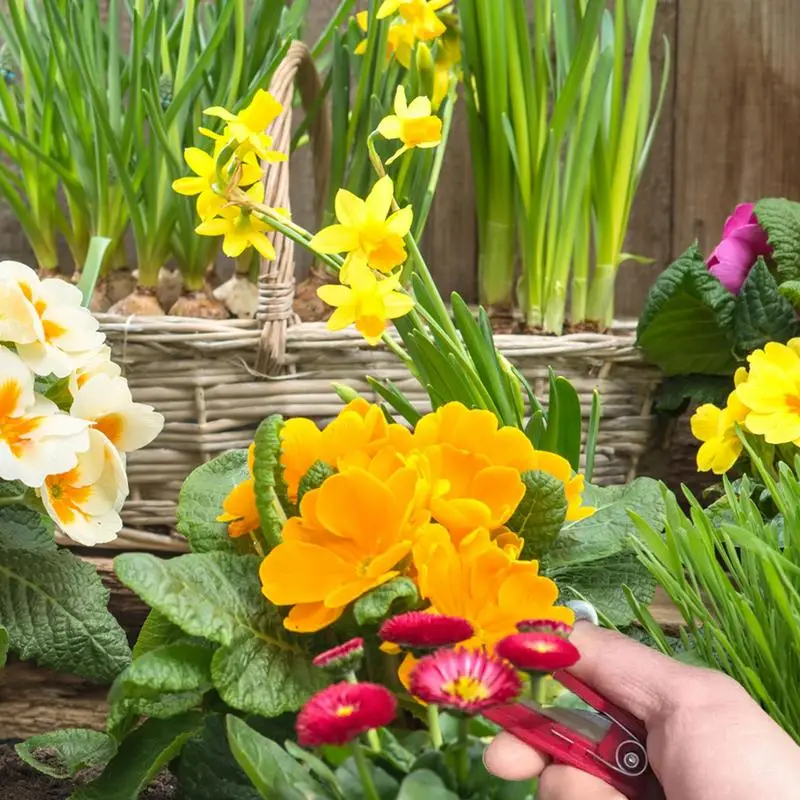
342	659
421	631
466	680
538	652
340	713
545	626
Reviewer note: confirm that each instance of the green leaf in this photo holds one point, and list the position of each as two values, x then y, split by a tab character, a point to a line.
63	753
207	770
762	314
316	475
424	785
260	666
606	532
140	758
201	499
687	322
23	528
54	606
375	606
601	583
91	268
353	787
318	767
791	291
541	513
676	391
264	761
265	467
569	430
169	669
3	646
780	218
156	632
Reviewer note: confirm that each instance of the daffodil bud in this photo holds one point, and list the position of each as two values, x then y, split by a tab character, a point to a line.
426	70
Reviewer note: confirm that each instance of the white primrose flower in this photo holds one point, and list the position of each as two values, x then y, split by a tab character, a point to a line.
97	362
36	439
108	405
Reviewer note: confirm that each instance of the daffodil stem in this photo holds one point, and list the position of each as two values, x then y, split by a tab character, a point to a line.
434	727
463	751
395	348
370	792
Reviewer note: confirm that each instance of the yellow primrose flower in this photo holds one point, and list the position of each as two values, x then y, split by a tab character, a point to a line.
716	428
240	511
353	534
241	228
368	303
420	14
202	183
366	230
414	125
772	393
249	125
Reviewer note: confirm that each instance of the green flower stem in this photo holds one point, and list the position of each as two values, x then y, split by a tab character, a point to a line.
372	734
12	501
370	792
434	727
462	766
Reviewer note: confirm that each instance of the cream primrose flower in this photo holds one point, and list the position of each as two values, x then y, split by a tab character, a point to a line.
106	402
65	330
36	439
19	322
85	501
95	363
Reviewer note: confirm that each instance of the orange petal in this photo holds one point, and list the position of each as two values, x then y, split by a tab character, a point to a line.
311	617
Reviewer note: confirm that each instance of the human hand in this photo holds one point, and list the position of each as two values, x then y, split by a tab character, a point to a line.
706	738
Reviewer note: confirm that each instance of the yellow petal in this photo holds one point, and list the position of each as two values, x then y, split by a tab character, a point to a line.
222	113
705	422
400	102
379	202
189	186
391	127
397	305
397	155
200	162
235	243
361	47
311	617
351	211
213	227
335	295
400	222
343	317
362	20
420	107
335	239
389	7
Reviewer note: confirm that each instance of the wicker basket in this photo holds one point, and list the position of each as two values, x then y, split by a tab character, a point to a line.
214	381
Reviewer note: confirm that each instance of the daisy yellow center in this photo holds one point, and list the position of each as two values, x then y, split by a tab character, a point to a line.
466	688
345	711
793	403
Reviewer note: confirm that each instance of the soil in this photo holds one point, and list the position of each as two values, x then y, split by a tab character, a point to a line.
307	305
18	781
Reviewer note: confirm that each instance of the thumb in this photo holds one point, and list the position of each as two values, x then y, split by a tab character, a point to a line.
630	675
566	783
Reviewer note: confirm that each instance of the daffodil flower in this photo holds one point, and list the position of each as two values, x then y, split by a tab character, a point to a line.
419	14
202	183
241	228
368	303
414	125
366	230
248	126
400	40
53	331
106	402
85	501
36	439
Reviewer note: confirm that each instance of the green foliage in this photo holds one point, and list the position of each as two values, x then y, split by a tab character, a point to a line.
266	467
3	646
687	322
392	598
259	667
733	578
314	478
762	314
201	499
140	758
425	785
675	392
63	753
53	605
780	218
540	514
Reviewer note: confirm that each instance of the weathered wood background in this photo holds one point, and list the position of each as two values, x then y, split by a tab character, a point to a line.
728	134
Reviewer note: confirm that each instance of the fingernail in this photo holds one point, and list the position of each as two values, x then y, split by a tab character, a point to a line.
584	611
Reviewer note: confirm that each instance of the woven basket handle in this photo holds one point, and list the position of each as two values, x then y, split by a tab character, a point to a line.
276	282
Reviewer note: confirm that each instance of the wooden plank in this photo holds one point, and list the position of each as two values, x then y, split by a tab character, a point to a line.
650	231
737	111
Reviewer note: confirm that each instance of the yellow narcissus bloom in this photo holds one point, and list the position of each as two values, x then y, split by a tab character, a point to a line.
414	125
204	166
353	534
772	393
240	227
240	511
716	429
249	125
476	431
400	40
419	14
367	230
368	303
357	434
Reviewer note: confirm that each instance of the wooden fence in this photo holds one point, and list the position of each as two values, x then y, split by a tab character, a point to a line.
729	133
